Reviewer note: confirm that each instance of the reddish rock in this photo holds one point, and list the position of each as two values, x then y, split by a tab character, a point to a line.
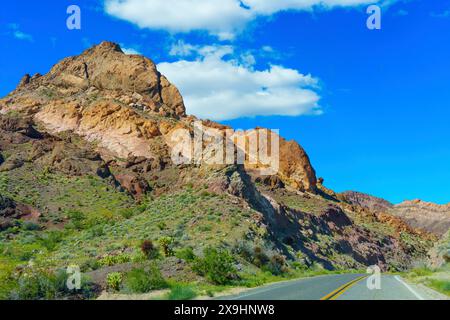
135	185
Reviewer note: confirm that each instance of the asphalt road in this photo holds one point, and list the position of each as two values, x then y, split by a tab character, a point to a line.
335	287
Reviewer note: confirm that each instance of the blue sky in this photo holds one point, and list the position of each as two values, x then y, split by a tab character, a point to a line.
371	107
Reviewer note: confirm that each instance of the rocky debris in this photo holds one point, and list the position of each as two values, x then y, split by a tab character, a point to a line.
366	201
11	212
424	215
135	185
335	218
273	182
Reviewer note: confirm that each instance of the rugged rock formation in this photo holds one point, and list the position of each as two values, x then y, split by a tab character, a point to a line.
124	105
424	215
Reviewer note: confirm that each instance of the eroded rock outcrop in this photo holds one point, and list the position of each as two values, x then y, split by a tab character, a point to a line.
126	107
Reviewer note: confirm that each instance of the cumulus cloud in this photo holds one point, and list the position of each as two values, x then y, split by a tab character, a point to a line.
223	18
220	86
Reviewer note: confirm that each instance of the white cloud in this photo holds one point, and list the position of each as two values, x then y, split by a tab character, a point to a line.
223	18
182	49
130	51
218	88
19	34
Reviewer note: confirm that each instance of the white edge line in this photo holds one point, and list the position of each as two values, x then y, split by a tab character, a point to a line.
418	296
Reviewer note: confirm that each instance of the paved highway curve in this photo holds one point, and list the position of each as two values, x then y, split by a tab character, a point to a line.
334	287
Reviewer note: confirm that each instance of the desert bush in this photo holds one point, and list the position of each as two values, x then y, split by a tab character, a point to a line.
77	219
161	225
109	261
216	265
421	272
51	239
31	226
276	265
114	281
127	213
260	258
186	254
42	284
166	246
244	249
35	286
181	292
143	281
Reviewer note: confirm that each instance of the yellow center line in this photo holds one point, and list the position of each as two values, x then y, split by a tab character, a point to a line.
339	291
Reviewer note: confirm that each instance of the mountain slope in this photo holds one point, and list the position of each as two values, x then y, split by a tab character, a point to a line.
86	176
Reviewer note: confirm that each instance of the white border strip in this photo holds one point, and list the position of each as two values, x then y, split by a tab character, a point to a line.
418	296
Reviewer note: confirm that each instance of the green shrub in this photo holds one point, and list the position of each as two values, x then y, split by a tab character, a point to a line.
216	265
421	272
51	239
161	225
260	258
181	292
276	265
114	281
109	261
143	281
31	226
97	231
35	286
186	254
166	246
77	219
40	284
127	213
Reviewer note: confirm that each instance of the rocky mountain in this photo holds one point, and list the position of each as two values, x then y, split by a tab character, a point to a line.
418	214
87	178
366	201
424	215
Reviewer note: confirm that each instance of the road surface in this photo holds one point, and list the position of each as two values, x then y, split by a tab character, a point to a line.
336	287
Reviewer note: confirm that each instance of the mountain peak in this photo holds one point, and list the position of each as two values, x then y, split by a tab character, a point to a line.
107	46
125	105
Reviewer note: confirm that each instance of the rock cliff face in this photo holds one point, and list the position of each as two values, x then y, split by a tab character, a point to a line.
124	105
